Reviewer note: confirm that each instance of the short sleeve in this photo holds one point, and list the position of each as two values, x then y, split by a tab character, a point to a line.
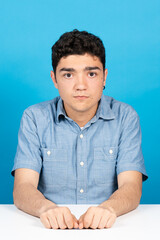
28	154
130	155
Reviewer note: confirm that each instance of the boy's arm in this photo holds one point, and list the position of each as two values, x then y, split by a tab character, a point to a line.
30	200
126	198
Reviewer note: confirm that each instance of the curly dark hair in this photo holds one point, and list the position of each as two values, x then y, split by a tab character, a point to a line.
77	42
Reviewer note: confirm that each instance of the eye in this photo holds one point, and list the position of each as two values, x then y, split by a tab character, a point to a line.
67	75
92	74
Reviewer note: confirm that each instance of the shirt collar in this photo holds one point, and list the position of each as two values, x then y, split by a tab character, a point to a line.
104	110
60	109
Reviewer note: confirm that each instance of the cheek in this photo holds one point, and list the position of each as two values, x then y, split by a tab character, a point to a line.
96	86
65	90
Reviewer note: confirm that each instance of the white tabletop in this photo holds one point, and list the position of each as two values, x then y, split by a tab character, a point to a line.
142	223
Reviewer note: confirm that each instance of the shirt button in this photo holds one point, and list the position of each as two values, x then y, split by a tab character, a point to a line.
49	153
110	151
82	163
81	136
81	191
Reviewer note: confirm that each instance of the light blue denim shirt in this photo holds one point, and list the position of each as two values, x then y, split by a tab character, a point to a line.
79	166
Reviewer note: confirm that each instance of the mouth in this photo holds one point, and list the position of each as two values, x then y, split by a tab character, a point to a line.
80	97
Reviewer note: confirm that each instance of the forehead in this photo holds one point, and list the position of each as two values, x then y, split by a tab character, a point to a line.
79	61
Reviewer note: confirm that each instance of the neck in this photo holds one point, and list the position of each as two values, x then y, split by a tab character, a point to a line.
81	118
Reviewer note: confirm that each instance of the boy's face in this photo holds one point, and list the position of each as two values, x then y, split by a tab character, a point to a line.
80	80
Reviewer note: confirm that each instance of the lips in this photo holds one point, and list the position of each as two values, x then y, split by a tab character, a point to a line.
80	97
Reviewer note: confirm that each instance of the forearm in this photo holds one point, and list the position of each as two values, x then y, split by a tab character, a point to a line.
124	200
31	200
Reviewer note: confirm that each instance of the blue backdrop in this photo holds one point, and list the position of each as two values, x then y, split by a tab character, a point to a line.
130	31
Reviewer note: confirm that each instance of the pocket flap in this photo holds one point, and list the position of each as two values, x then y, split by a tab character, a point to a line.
110	151
105	152
52	154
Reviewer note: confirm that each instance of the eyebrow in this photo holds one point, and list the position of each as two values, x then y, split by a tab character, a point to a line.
73	70
67	70
92	68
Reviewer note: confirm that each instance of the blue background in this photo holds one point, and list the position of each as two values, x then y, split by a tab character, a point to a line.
130	31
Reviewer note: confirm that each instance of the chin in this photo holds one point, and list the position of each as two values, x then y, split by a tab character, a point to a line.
82	109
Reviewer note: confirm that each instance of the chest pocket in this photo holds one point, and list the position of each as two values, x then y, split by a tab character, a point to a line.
54	171
105	164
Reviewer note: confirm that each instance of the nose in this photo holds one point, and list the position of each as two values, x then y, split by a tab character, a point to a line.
81	82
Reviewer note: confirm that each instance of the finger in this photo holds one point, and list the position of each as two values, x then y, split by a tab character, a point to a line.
53	222
75	225
80	219
60	221
103	221
68	219
45	221
88	219
95	221
75	222
74	218
110	222
80	222
81	225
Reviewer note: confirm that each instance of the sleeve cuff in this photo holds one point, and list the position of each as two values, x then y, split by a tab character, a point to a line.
26	165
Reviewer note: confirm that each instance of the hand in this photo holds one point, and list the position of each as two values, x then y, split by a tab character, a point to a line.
59	217
97	217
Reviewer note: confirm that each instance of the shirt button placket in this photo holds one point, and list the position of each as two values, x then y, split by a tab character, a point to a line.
80	170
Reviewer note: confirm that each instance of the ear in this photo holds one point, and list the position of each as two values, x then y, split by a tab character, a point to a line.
105	76
54	79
